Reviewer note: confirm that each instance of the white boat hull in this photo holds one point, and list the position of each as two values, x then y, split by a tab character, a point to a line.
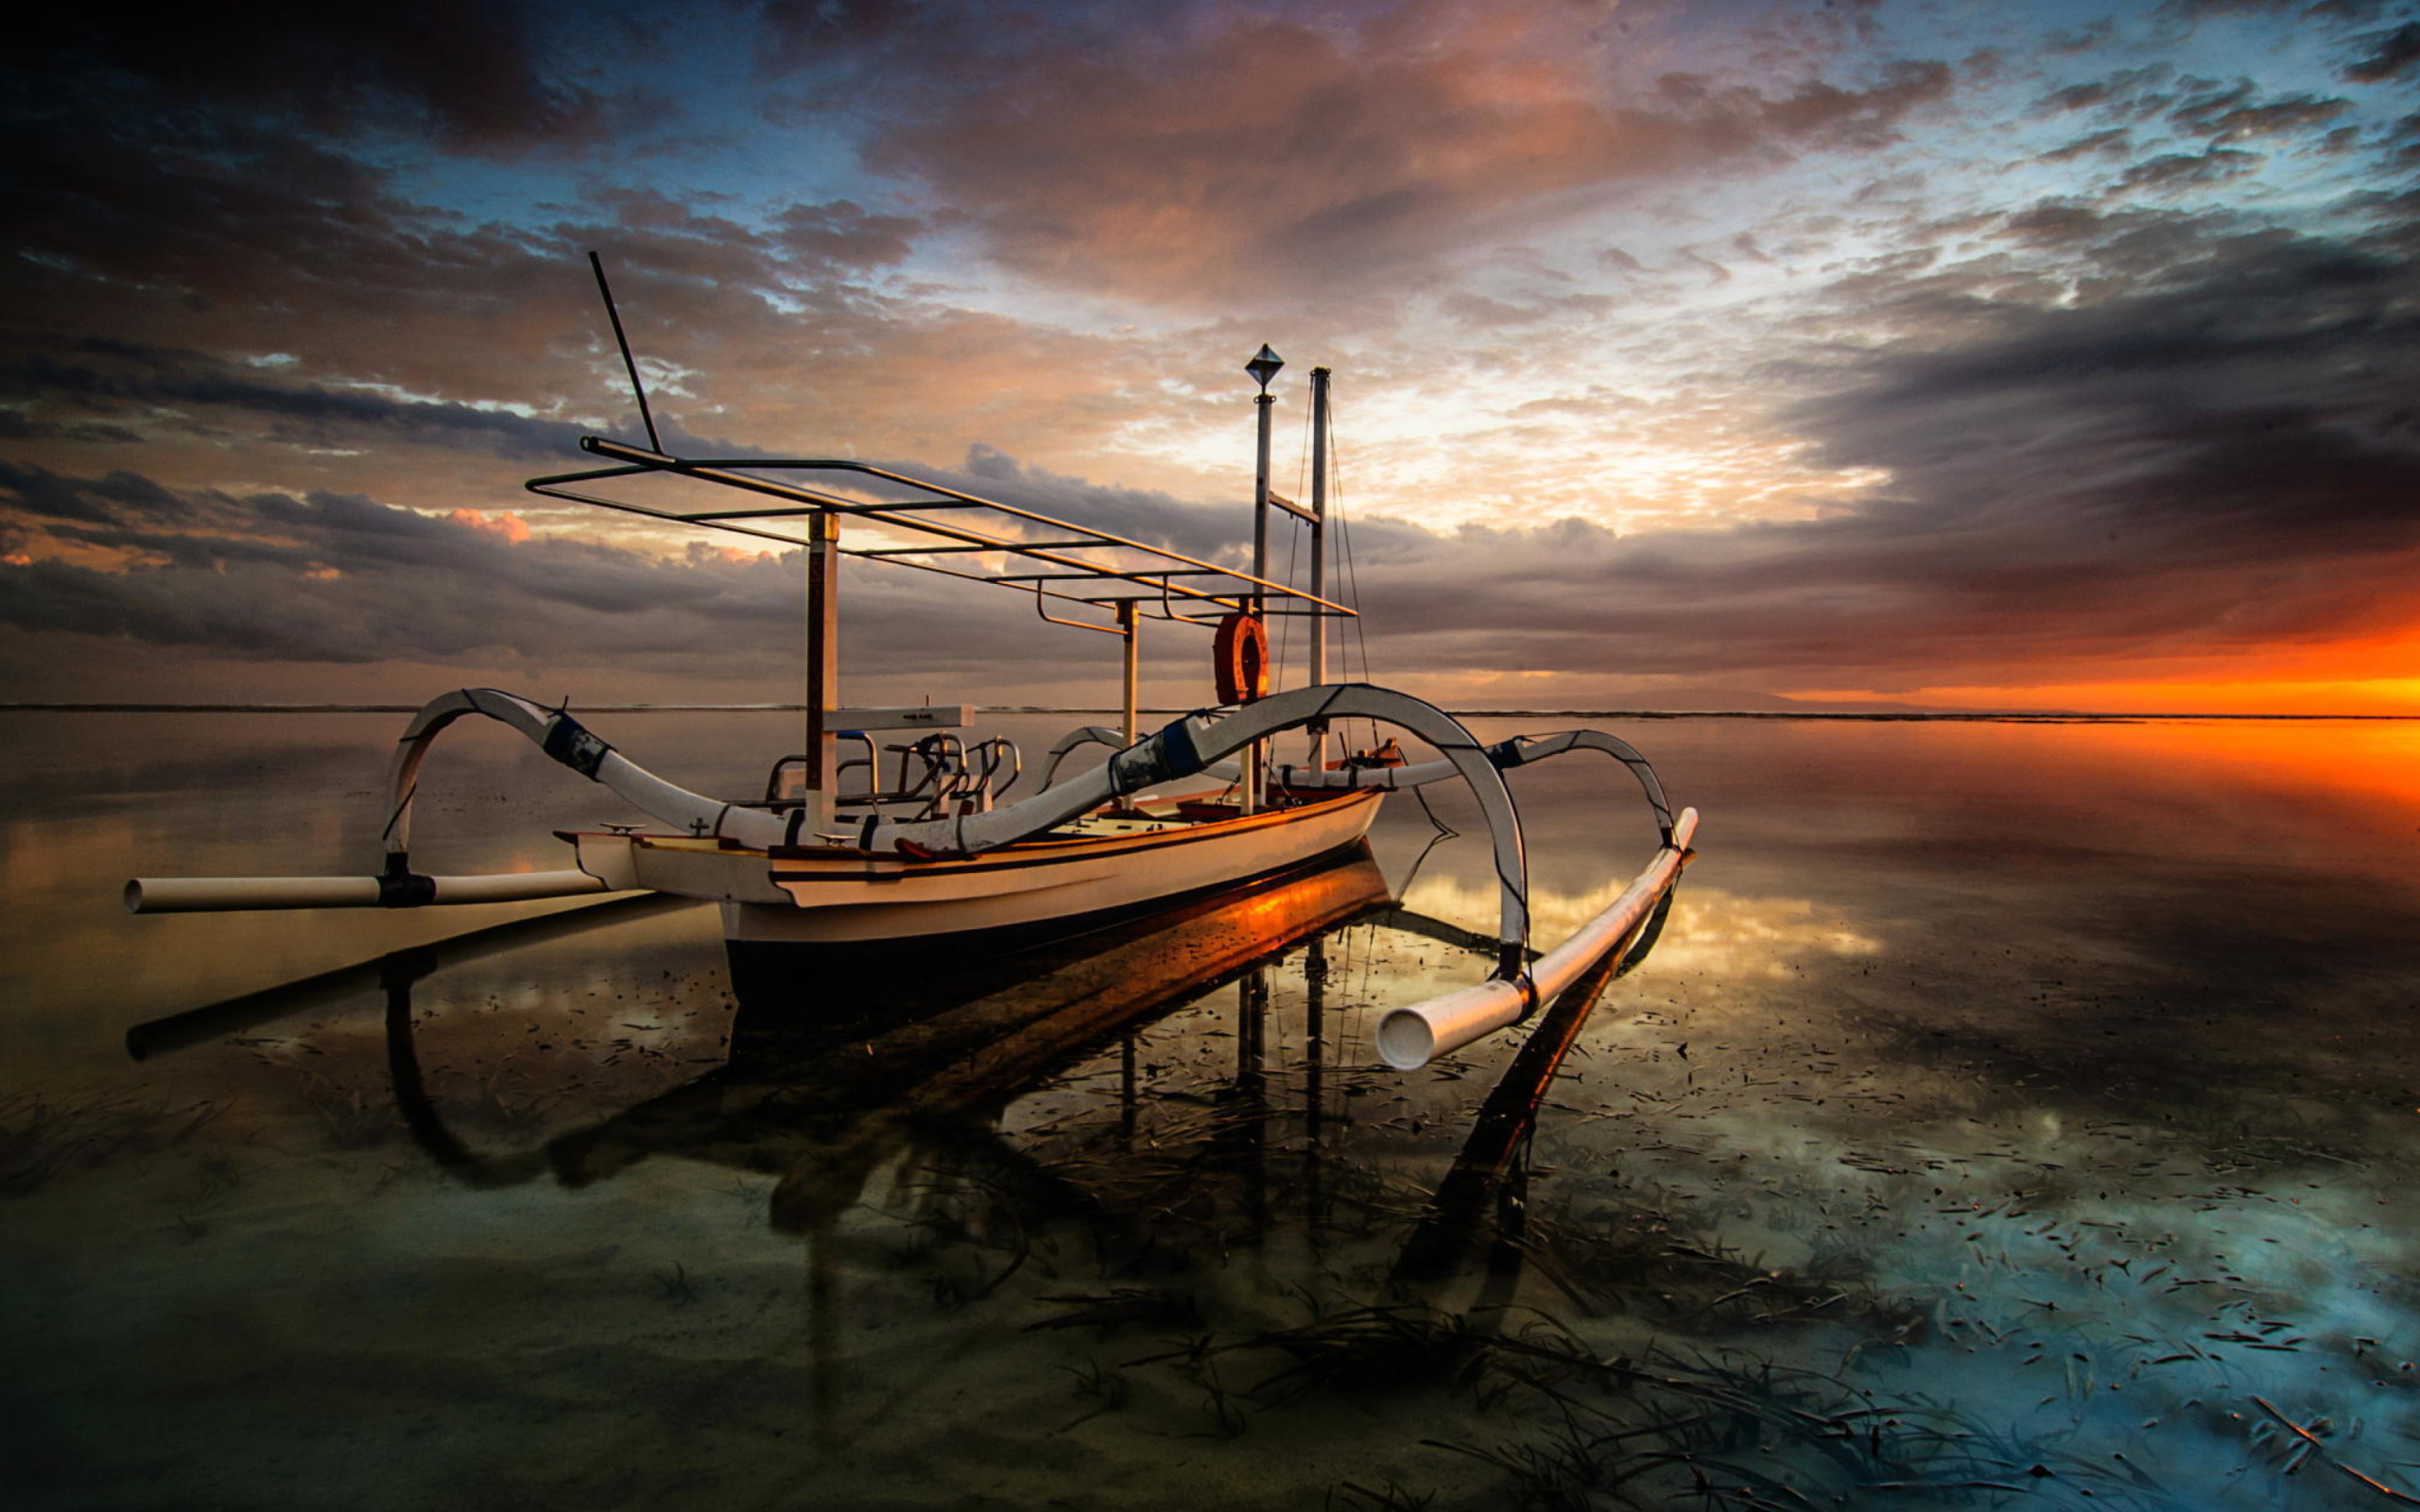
822	895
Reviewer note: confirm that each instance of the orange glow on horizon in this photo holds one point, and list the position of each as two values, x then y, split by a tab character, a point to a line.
2376	676
2247	696
2374	765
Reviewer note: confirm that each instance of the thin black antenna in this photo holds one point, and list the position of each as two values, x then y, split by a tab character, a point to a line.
616	315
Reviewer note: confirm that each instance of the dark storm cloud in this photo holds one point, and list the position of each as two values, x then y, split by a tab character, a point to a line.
344	578
225	230
2382	54
17	426
219	232
474	75
2394	53
803	34
2232	455
305	413
116	498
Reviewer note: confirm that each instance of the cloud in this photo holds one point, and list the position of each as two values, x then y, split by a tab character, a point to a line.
136	381
475	76
2125	96
2276	118
335	577
2210	463
2393	54
2219	457
842	234
1254	152
2115	142
2030	431
2179	170
344	579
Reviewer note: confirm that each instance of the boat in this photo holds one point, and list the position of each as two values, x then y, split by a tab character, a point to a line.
924	845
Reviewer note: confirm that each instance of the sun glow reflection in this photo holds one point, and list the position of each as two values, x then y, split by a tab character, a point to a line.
1710	929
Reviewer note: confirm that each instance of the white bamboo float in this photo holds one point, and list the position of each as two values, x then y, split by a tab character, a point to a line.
210	894
1411	1038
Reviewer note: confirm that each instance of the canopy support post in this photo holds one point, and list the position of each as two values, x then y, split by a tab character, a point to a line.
823	665
1129	624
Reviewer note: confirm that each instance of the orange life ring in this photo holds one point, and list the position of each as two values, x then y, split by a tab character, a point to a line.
1239	658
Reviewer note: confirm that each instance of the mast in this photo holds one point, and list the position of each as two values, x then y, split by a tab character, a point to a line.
1263	366
1318	552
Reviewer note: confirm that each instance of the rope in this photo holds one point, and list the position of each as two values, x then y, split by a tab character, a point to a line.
1444	830
1293	546
1348	570
1286	622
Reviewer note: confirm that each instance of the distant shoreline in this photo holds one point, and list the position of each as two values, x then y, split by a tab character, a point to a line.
2033	716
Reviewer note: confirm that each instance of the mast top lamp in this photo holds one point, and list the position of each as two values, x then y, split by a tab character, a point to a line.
1264	366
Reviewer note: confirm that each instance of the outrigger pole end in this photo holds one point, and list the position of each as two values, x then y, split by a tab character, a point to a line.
1410	1038
210	894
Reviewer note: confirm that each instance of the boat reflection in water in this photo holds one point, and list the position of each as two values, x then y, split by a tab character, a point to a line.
942	1045
935	1050
1080	1138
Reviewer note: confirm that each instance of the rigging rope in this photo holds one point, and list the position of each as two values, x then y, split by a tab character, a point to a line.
1285	625
1444	830
1348	571
1293	550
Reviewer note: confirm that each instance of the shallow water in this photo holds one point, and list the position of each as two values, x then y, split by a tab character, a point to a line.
2007	1115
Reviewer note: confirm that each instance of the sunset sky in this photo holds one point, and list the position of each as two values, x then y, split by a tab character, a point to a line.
1694	355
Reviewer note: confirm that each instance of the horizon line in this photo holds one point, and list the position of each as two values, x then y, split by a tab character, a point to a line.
1870	716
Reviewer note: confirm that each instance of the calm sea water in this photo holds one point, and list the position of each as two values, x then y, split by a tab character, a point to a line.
2007	1115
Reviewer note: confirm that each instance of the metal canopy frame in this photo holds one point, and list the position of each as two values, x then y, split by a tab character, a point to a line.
1148	579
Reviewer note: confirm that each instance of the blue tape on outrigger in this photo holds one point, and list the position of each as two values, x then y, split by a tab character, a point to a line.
569	742
1168	754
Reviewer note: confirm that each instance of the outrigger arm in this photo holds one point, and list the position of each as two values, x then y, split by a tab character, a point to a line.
1506	754
1184	747
1408	1036
1520	750
1103	735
